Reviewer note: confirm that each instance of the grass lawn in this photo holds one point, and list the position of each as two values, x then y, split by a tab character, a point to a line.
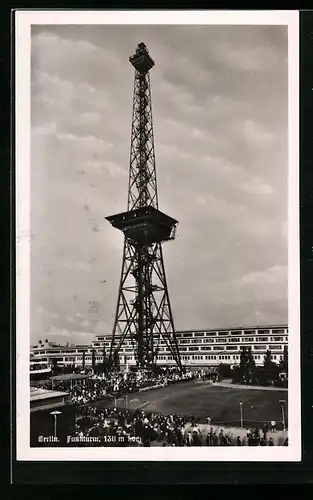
202	400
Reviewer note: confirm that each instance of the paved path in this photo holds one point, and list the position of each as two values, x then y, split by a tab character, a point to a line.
254	387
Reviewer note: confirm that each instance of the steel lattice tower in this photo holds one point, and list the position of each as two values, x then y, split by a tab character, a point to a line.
143	313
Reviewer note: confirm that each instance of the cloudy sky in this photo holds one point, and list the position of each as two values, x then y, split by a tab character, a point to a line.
220	99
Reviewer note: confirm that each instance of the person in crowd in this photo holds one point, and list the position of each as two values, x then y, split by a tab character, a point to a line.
221	436
265	431
249	438
214	439
189	439
273	426
196	441
195	429
208	439
209	436
263	442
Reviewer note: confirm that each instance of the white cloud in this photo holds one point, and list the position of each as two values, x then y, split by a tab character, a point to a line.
197	133
113	168
223	167
260	58
58	50
90	118
257	187
60	332
45	129
256	135
273	275
89	144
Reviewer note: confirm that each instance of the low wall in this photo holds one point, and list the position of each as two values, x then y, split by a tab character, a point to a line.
157	386
151	387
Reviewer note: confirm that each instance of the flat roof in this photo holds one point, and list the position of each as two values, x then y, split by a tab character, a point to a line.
69	376
37	393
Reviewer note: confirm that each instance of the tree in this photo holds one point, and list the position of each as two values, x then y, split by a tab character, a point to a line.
236	378
116	360
104	361
224	370
84	360
271	370
268	358
250	366
243	357
259	377
55	367
93	359
246	367
283	369
284	362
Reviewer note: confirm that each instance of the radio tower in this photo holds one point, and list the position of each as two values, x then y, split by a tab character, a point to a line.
143	313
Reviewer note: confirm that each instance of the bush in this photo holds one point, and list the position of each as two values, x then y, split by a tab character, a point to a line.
225	371
236	375
268	374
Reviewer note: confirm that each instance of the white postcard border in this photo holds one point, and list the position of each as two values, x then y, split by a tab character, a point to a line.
24	20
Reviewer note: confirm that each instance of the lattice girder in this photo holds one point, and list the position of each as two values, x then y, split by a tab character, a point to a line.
143	313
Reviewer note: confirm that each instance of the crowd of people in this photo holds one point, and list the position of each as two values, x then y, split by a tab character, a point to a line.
112	426
115	427
101	386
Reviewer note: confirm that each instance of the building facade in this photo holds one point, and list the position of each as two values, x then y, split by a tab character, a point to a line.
198	348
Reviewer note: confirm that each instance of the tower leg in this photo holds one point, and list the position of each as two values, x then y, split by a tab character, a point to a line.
144	321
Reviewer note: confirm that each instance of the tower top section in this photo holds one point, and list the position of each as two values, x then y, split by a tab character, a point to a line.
141	60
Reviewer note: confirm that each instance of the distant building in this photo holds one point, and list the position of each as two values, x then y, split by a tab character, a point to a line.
43	399
198	348
47	352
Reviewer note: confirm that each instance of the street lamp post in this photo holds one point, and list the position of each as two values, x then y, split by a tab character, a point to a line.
282	404
55	414
241	417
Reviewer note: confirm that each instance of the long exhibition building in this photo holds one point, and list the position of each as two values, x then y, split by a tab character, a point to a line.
200	348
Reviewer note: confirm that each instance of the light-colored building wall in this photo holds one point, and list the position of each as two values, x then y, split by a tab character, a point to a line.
201	348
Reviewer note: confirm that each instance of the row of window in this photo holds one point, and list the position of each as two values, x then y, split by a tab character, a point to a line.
217	340
221	358
233	340
74	358
170	358
279	331
218	348
63	351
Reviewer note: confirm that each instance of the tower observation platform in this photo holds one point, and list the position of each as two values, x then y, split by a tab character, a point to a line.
145	225
141	60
